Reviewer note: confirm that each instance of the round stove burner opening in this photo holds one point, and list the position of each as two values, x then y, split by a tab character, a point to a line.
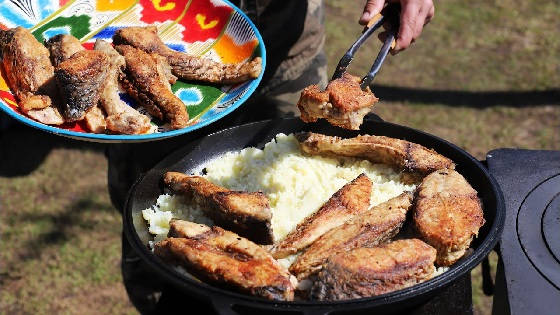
551	227
538	228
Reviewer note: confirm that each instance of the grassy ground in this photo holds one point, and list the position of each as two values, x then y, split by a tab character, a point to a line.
483	75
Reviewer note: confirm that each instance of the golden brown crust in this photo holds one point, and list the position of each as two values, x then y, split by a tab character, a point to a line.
79	80
353	198
343	103
121	118
402	155
186	66
62	47
145	82
365	272
246	213
224	258
448	214
366	229
95	120
29	72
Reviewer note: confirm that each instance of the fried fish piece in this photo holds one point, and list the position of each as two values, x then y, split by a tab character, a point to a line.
29	73
245	213
353	198
62	47
365	272
48	115
146	80
413	159
79	79
448	214
367	229
342	103
121	118
224	258
95	120
184	65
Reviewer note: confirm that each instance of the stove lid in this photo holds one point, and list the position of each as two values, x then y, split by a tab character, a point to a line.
530	244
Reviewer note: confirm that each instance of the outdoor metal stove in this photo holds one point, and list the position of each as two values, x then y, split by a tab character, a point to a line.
528	275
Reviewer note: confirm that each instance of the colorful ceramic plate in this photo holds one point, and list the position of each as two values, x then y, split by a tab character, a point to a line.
211	28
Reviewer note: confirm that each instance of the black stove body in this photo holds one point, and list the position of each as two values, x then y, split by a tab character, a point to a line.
528	275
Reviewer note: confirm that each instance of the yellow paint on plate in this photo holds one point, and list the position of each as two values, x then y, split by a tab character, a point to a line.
201	20
114	5
3	84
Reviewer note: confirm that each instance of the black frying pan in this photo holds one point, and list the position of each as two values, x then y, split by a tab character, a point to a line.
146	190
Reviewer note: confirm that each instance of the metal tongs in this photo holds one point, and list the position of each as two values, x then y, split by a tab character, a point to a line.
389	14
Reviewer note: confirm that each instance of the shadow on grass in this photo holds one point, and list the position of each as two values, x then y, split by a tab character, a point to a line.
466	98
64	226
23	148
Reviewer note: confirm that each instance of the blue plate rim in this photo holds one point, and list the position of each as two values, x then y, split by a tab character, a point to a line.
99	137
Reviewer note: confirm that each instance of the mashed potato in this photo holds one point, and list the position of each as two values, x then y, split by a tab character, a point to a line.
296	185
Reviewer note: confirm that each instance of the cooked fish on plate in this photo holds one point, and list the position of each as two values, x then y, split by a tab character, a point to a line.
224	258
62	47
184	65
79	79
121	118
30	74
147	79
63	82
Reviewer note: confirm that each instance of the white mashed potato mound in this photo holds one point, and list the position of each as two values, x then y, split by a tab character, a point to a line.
168	207
297	185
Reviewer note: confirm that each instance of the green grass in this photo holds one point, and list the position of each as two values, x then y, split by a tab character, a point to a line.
60	234
61	237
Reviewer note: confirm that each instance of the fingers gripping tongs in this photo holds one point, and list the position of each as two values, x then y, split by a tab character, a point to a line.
390	14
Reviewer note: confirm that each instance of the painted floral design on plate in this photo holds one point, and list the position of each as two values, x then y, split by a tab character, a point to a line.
210	28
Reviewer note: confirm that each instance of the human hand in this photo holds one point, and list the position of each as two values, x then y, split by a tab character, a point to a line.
414	15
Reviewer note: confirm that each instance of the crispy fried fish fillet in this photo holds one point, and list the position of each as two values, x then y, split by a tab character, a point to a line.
447	213
146	80
29	74
353	198
186	66
62	47
121	118
246	213
79	80
365	272
367	229
342	103
224	258
414	159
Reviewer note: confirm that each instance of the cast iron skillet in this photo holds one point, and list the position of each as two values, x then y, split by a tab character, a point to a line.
149	187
